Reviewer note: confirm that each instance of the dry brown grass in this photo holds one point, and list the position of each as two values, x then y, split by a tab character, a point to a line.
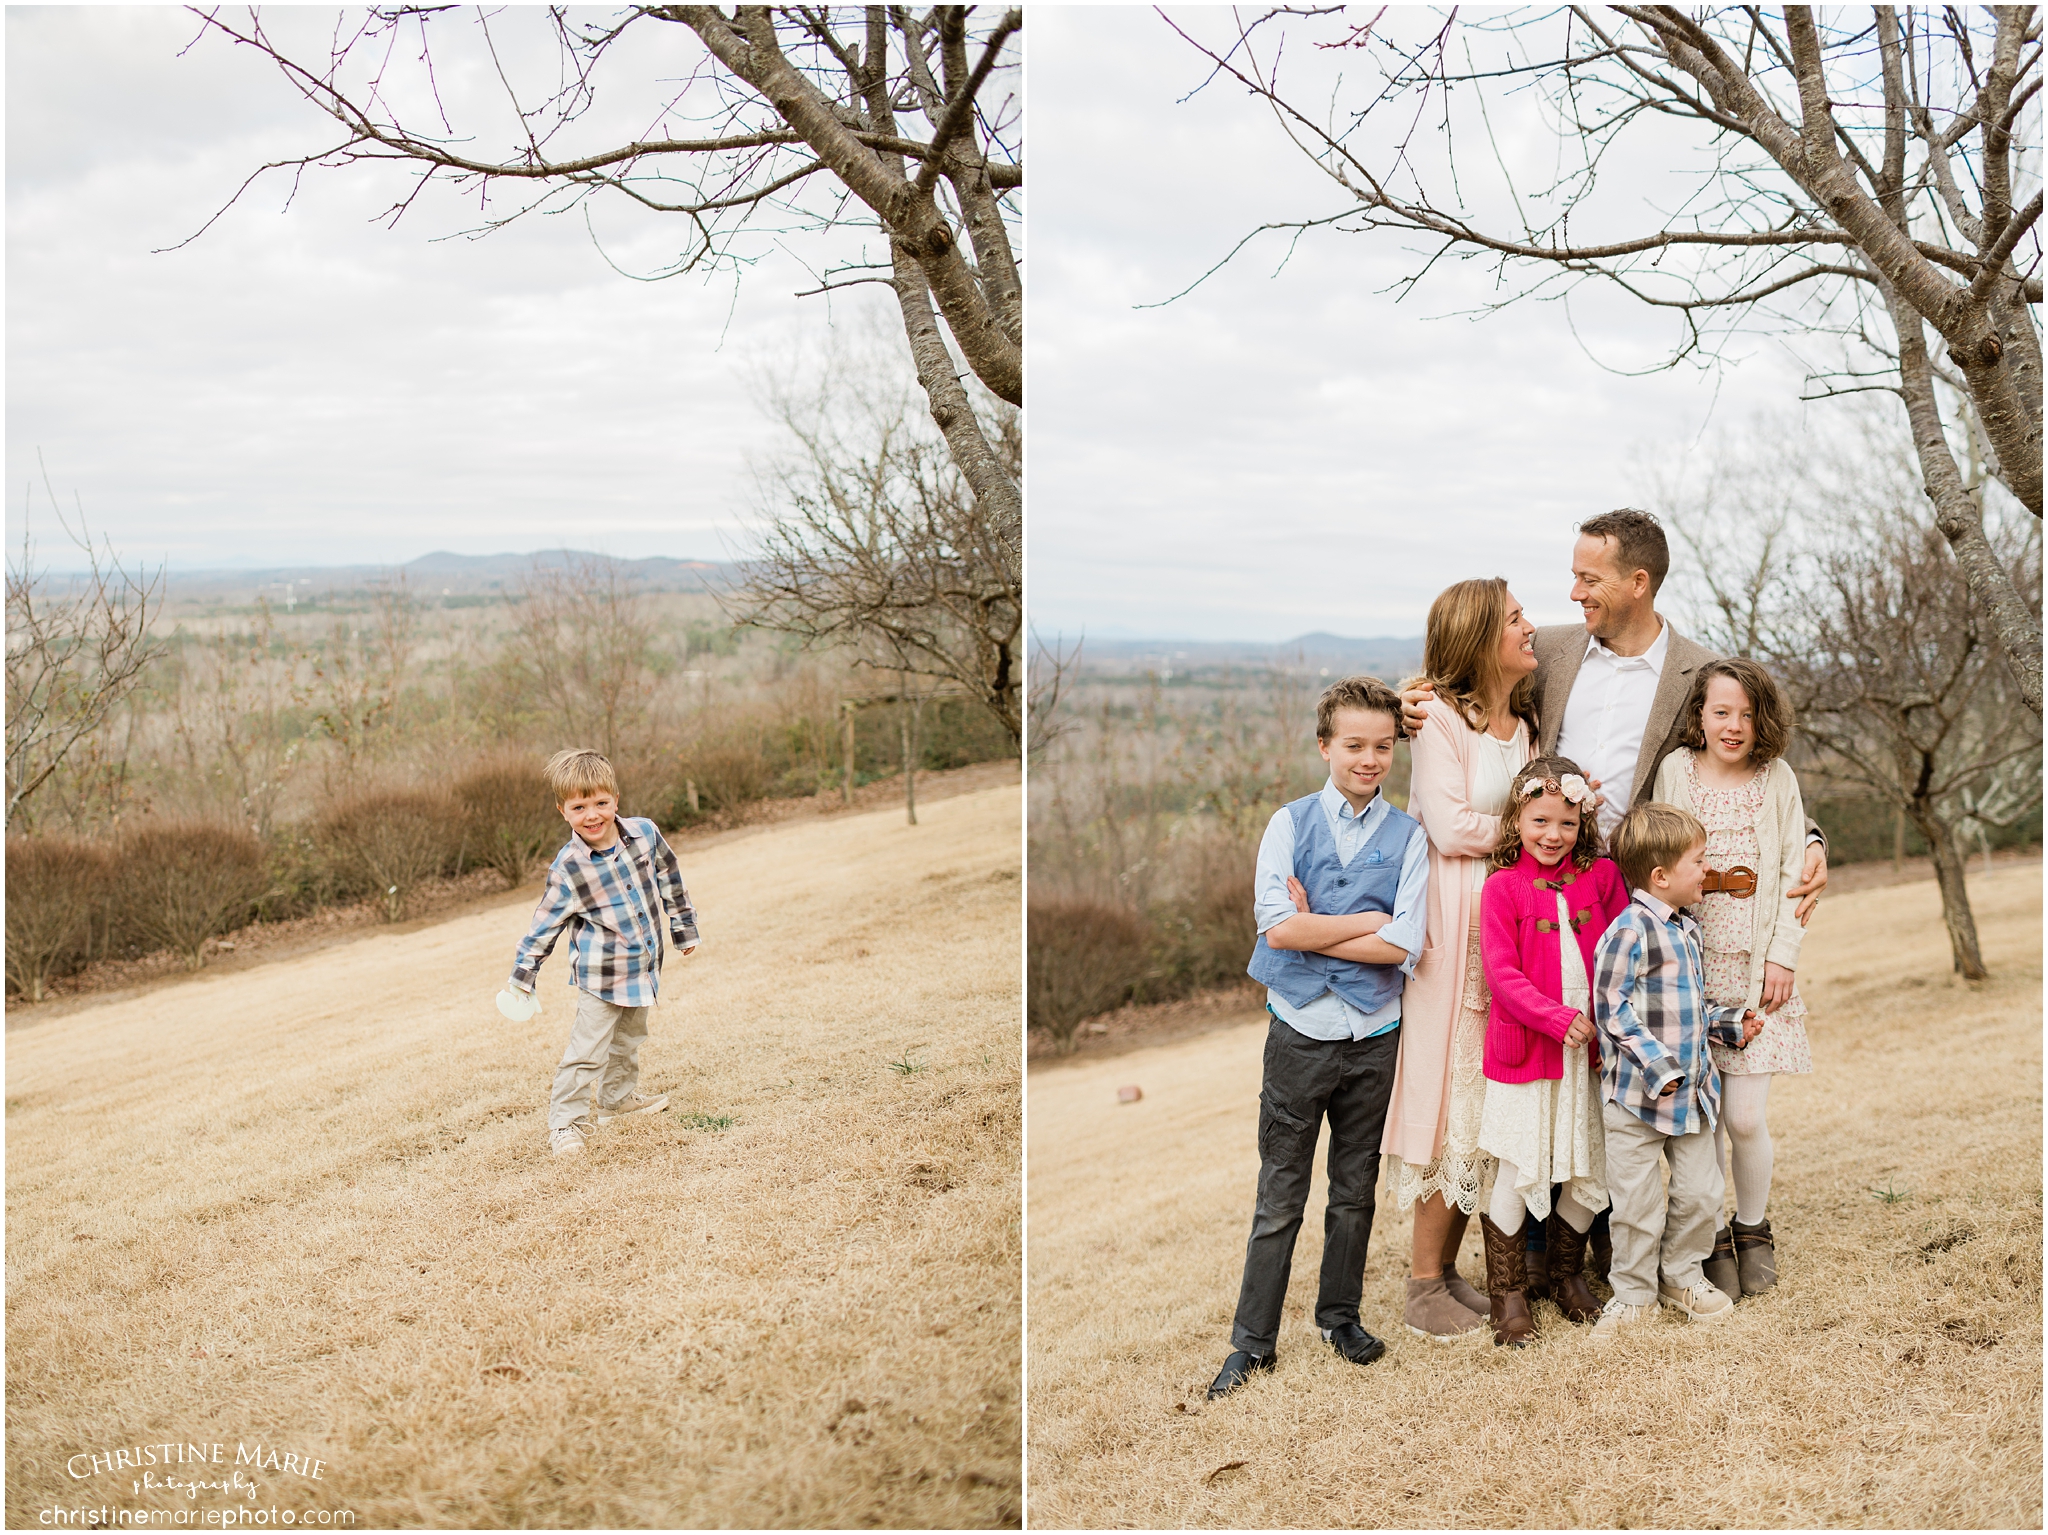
1894	1377
311	1204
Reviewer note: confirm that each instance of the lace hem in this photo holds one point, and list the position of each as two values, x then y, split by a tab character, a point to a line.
1456	1177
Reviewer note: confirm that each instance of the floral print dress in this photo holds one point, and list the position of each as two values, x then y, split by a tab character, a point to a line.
1728	930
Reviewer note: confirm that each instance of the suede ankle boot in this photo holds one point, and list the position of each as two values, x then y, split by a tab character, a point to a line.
1756	1256
1461	1292
1720	1267
1509	1309
1567	1283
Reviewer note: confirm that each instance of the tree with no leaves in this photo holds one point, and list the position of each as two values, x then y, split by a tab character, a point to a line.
1858	176
870	538
812	119
1835	575
76	647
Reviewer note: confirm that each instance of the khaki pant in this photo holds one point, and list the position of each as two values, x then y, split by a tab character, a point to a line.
603	1053
1659	1229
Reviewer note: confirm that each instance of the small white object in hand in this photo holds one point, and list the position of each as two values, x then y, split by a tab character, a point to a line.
518	1005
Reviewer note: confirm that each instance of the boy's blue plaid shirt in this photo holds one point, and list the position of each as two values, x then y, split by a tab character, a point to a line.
611	904
1650	1004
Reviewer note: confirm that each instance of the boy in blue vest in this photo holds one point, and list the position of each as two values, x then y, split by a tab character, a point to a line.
1340	899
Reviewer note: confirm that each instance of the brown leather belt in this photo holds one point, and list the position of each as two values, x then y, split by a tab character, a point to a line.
1738	882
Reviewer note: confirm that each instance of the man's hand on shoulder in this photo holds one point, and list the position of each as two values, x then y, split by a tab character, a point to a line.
1417	694
1813	880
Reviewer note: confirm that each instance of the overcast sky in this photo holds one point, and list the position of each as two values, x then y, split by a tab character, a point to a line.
1276	454
307	386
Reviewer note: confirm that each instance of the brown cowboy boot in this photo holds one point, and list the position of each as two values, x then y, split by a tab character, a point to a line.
1567	1282
1538	1267
1509	1307
1461	1292
1600	1251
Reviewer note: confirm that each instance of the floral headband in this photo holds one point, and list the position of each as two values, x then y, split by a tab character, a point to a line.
1571	788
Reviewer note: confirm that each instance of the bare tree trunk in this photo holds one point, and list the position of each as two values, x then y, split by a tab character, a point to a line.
1958	514
1898	840
909	723
1955	897
846	779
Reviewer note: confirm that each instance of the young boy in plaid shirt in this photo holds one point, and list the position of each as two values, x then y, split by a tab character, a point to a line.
606	889
1661	1087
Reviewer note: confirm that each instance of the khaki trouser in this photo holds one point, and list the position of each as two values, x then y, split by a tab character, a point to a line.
1659	1230
603	1053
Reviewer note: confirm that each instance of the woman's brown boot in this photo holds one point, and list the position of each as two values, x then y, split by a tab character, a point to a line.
1509	1305
1567	1281
1461	1292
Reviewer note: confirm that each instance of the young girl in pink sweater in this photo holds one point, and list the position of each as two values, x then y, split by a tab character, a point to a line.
1542	1117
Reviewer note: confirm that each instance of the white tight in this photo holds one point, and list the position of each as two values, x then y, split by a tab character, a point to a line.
1744	1143
1507	1209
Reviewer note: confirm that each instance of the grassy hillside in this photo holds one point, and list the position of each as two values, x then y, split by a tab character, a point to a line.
311	1205
1893	1378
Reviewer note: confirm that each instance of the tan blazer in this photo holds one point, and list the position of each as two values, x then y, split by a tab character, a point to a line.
1559	650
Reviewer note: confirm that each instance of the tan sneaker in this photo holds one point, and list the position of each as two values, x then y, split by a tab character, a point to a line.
636	1103
567	1141
1702	1302
1616	1316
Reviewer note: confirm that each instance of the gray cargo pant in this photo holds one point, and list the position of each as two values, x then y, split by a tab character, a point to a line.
1348	1082
603	1054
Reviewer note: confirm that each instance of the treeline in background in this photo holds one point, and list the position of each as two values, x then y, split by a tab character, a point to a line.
1155	768
181	765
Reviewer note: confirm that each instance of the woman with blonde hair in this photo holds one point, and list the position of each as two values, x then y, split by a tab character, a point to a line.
1480	657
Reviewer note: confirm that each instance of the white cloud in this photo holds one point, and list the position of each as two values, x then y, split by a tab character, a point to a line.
306	386
1288	449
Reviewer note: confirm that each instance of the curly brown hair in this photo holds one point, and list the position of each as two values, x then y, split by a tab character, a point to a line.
1546	771
1768	705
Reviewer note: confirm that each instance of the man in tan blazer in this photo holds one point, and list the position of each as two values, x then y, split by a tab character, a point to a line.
1610	691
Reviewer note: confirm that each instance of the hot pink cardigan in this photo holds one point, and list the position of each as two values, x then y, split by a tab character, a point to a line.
1526	1026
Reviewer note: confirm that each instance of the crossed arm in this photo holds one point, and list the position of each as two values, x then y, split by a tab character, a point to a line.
1281	905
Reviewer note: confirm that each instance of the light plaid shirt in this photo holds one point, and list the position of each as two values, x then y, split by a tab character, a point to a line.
610	902
1650	1005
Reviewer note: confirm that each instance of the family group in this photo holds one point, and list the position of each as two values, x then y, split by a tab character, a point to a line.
1554	990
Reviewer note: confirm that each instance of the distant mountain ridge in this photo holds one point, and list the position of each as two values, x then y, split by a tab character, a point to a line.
444	572
1386	656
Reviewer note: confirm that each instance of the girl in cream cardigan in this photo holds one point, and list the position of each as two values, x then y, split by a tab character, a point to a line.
1731	774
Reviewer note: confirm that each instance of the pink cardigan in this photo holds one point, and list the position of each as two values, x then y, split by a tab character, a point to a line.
1526	1026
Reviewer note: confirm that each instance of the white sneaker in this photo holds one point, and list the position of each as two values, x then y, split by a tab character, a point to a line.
1617	1315
567	1141
632	1103
1700	1301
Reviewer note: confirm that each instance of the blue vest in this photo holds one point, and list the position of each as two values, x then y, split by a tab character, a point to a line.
1368	883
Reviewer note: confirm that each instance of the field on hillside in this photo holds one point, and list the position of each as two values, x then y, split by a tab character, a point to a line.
308	1208
1893	1378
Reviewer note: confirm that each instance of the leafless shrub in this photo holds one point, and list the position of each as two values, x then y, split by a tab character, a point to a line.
1084	957
74	651
396	839
1204	932
509	823
54	888
184	882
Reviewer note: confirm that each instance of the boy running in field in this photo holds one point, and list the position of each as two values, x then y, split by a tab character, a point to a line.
606	888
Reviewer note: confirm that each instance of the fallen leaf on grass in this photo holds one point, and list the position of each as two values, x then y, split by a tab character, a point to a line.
1228	1465
508	1371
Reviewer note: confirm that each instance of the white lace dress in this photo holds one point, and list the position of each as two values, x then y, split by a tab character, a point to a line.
1728	931
1460	1171
1552	1132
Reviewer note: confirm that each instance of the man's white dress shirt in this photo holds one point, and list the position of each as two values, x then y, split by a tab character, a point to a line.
1606	715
